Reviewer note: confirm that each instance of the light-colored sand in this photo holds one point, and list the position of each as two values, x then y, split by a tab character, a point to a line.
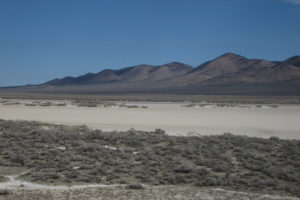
283	122
14	183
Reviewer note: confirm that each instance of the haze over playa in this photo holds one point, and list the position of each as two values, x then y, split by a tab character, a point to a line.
174	118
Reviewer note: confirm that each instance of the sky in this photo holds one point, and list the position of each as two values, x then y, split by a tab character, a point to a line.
45	39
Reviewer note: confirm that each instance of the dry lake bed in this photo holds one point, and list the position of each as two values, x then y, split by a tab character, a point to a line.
180	118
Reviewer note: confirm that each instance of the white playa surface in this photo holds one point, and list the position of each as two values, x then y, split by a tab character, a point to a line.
283	122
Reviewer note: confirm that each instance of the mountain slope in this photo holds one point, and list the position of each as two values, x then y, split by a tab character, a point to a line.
230	68
261	71
295	61
227	74
137	73
226	64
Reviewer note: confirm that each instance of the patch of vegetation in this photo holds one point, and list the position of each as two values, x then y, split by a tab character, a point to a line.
136	186
2	179
34	103
228	99
86	103
4	192
45	104
8	103
103	104
76	154
228	105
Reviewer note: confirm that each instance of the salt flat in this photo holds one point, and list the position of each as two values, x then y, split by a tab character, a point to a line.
283	122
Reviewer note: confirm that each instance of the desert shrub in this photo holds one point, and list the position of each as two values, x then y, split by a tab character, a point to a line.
48	103
268	182
123	182
4	192
159	131
274	139
2	178
170	179
183	169
69	175
87	148
30	104
180	179
207	181
53	175
220	167
87	104
132	106
200	171
135	186
17	158
210	181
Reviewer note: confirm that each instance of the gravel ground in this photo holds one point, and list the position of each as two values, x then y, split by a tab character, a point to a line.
148	193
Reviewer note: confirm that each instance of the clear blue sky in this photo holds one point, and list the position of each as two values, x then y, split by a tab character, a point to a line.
45	39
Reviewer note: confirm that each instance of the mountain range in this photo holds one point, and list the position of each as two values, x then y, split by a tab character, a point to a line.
227	74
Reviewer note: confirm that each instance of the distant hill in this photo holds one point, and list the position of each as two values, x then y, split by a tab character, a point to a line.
227	74
230	68
139	73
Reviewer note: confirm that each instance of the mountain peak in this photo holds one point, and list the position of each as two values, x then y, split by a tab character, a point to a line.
228	63
230	55
295	60
175	63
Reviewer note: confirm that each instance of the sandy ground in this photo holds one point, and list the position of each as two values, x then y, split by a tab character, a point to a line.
172	117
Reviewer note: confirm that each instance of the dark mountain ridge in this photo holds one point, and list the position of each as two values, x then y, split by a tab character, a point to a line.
129	74
227	74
